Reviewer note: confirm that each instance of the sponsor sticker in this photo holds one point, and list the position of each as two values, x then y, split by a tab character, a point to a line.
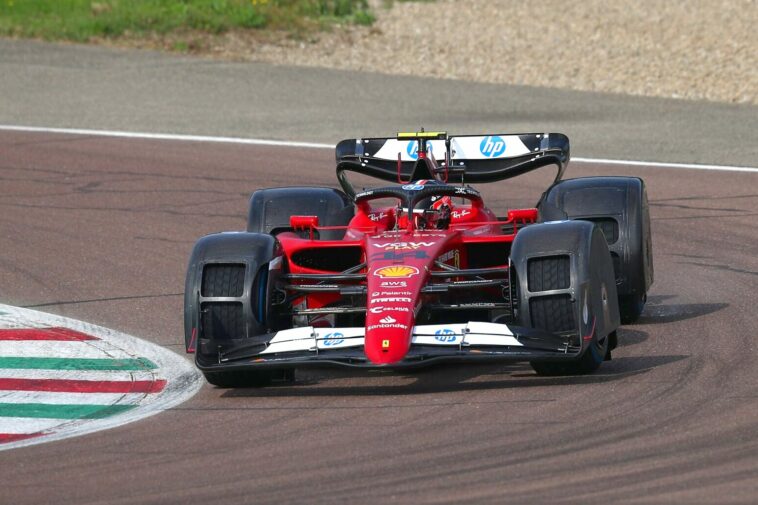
382	308
385	326
393	285
399	256
396	246
392	299
386	323
492	146
396	272
332	339
445	335
394	294
377	216
413	187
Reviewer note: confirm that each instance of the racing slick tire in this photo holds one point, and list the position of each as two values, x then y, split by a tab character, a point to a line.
226	301
619	207
564	284
270	209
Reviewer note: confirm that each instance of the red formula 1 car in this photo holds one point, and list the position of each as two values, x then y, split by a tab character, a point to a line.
422	271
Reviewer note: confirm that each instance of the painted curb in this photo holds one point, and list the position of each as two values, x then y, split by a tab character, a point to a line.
151	379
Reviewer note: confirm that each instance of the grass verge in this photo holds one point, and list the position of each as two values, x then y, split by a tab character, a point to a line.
83	20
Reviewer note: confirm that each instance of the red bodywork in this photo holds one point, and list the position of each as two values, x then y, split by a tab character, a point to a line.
399	255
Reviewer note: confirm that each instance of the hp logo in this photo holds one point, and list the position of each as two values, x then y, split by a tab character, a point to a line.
445	335
333	339
412	148
492	146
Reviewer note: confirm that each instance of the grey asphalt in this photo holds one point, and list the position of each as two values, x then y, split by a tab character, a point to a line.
73	86
100	229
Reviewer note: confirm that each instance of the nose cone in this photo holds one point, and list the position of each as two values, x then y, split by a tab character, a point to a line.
393	293
388	338
398	265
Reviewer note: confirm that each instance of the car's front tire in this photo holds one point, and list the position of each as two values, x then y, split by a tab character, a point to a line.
565	285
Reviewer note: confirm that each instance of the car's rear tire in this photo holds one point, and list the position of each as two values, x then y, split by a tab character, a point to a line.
631	306
270	209
619	207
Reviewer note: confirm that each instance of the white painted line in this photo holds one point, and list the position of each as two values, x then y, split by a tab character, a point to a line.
23	425
313	145
166	136
182	380
656	164
53	349
86	375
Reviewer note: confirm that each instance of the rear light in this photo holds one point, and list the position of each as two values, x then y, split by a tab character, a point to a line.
303	222
522	215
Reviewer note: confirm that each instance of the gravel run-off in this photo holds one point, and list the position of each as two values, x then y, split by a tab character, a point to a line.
698	49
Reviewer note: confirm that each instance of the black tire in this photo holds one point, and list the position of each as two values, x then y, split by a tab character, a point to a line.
565	285
619	207
221	322
556	313
631	306
221	276
226	302
589	362
270	209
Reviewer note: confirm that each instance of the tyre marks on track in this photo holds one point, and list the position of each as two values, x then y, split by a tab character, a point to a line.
60	378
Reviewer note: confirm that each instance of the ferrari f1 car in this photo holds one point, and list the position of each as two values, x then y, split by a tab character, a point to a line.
421	271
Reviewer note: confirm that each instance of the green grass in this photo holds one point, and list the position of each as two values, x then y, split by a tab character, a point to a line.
82	20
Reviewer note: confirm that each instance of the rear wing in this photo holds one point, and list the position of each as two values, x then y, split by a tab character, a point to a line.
458	158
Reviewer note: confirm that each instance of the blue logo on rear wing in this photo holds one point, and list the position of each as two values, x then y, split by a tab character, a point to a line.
492	146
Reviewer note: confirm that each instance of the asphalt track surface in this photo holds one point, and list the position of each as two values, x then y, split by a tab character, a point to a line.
100	229
69	86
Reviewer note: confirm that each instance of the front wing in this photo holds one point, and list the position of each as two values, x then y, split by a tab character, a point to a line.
430	344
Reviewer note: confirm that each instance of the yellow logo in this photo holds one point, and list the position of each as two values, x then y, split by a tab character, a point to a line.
385	344
395	272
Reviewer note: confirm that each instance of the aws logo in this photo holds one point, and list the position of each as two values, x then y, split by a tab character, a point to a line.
492	146
412	148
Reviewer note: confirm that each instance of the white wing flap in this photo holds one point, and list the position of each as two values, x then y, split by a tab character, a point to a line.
471	334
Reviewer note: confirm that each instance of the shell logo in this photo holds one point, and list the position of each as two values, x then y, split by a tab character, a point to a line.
396	272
